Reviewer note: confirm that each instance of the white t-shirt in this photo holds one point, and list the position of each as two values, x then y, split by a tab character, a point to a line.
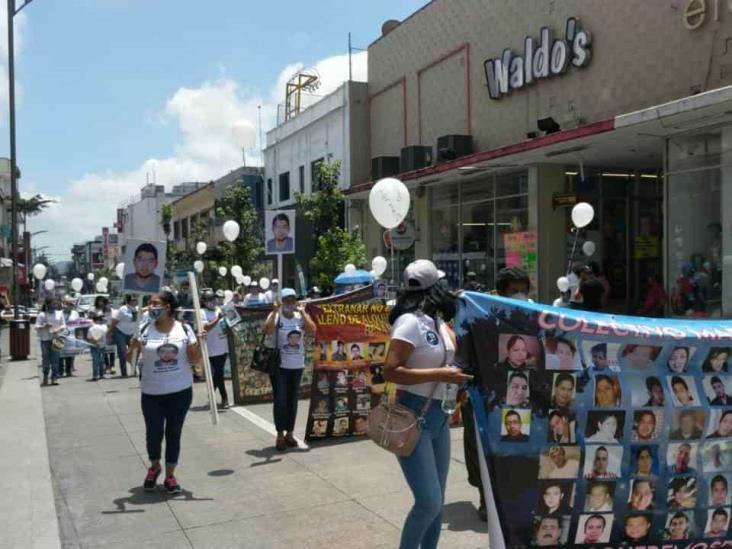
431	350
216	342
55	319
270	295
125	317
98	333
165	366
291	341
254	300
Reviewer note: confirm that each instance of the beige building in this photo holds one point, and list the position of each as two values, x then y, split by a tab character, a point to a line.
191	210
621	104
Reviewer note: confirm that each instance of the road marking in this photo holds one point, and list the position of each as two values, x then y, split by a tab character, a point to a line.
263	424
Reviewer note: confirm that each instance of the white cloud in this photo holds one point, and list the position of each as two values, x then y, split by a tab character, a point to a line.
206	149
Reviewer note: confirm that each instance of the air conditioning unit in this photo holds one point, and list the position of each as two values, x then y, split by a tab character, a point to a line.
415	157
384	166
450	147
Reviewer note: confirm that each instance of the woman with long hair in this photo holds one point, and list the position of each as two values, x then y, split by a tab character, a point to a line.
422	347
49	324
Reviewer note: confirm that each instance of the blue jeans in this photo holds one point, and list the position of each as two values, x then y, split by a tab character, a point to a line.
97	354
164	415
425	471
285	391
121	340
49	359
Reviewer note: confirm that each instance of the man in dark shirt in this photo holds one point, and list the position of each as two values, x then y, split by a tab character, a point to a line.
512	422
721	398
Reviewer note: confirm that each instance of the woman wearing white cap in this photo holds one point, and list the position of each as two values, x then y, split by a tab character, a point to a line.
254	298
288	320
421	349
270	296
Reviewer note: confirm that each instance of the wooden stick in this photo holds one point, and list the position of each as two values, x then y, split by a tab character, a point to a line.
204	349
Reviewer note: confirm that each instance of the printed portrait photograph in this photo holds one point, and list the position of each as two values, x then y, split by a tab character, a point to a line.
560	462
340	404
608	393
563	389
639	358
322	407
518	388
644	461
646	391
600	356
338	351
341	379
279	231
515	425
340	426
377	351
604	426
677	361
716	456
556	497
551	531
603	462
594	528
720	424
682	493
681	458
320	426
718	390
717	360
637	528
323	383
562	426
561	354
357	351
323	351
517	351
144	267
360	425
363	402
719	489
642	495
167	355
360	379
683	390
599	497
717	522
679	526
687	425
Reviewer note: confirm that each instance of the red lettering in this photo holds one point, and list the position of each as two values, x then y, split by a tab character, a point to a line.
567	327
586	328
602	328
546	321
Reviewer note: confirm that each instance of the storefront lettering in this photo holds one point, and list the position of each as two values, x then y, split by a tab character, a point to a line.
546	59
696	11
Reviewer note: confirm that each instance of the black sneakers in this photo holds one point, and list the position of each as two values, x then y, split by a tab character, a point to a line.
151	479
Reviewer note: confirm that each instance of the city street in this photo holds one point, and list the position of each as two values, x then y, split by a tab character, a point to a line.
237	490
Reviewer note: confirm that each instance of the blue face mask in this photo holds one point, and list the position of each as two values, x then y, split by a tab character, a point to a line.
155	313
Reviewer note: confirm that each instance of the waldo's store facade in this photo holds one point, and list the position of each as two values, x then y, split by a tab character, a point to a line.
501	114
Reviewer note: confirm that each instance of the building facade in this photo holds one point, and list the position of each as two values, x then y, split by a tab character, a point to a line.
529	107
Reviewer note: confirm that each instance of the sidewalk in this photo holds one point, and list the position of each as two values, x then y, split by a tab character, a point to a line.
238	491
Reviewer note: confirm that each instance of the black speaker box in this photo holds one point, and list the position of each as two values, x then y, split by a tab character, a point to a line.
415	157
384	166
450	147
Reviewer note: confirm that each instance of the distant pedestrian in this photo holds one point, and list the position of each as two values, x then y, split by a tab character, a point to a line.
216	343
50	324
655	303
102	307
472	284
66	363
592	291
123	326
270	296
97	337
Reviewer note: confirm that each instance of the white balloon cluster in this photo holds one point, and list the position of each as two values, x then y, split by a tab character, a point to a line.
246	280
582	215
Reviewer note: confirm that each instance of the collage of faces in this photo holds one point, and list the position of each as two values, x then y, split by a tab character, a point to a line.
357	353
636	440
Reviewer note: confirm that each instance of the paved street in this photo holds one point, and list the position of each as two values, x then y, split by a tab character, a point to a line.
238	492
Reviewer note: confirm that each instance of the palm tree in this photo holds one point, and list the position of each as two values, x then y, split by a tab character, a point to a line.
28	207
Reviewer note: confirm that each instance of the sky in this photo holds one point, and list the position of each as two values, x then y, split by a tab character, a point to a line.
110	92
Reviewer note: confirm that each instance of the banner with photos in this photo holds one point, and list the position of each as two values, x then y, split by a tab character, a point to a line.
600	430
351	343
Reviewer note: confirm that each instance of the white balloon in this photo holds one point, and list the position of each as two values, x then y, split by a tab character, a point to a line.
228	296
49	285
90	277
101	288
236	271
373	273
588	248
198	266
349	269
563	283
378	264
104	281
201	248
231	230
120	270
389	202
222	271
247	280
239	280
582	214
264	283
39	270
77	284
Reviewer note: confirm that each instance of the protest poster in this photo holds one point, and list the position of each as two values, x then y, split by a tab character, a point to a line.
144	267
521	251
621	435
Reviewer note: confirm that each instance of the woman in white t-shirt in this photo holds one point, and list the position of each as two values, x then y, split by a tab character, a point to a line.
291	323
169	348
421	350
217	343
49	324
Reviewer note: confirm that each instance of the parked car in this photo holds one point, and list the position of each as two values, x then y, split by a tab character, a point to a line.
8	314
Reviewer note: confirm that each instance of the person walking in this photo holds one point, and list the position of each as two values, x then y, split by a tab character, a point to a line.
169	348
123	326
288	320
422	348
49	324
102	307
66	359
97	337
216	343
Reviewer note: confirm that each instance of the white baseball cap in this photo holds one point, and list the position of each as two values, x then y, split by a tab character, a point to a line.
421	275
288	292
275	281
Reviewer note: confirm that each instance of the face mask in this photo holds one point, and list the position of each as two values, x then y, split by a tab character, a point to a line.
288	308
522	296
211	305
155	313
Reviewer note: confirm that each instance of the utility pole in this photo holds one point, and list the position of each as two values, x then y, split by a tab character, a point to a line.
350	64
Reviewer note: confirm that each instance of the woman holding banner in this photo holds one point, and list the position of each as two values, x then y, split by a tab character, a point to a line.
421	351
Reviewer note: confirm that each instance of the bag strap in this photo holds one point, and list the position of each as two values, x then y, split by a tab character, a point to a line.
436	383
276	333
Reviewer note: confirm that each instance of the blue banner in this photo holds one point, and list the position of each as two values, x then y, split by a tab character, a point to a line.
600	430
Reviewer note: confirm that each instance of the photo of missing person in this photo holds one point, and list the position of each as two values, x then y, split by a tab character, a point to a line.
517	388
646	391
340	426
606	427
294	338
280	231
363	403
357	352
338	352
323	351
320	427
562	427
720	423
516	425
637	528
682	493
550	531
687	425
716	361
563	390
341	405
607	391
679	526
719	490
556	497
144	266
377	351
599	497
557	462
322	407
681	458
683	389
642	495
678	360
639	358
718	390
716	456
360	379
360	425
323	383
717	522
645	463
603	462
594	528
561	354
341	380
167	356
600	356
516	351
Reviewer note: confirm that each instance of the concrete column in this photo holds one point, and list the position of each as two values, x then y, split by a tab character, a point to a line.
726	219
544	181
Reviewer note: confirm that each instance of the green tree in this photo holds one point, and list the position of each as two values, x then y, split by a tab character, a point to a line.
245	251
335	246
28	207
167	211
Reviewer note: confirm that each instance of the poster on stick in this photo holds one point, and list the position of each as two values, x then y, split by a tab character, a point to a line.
620	435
